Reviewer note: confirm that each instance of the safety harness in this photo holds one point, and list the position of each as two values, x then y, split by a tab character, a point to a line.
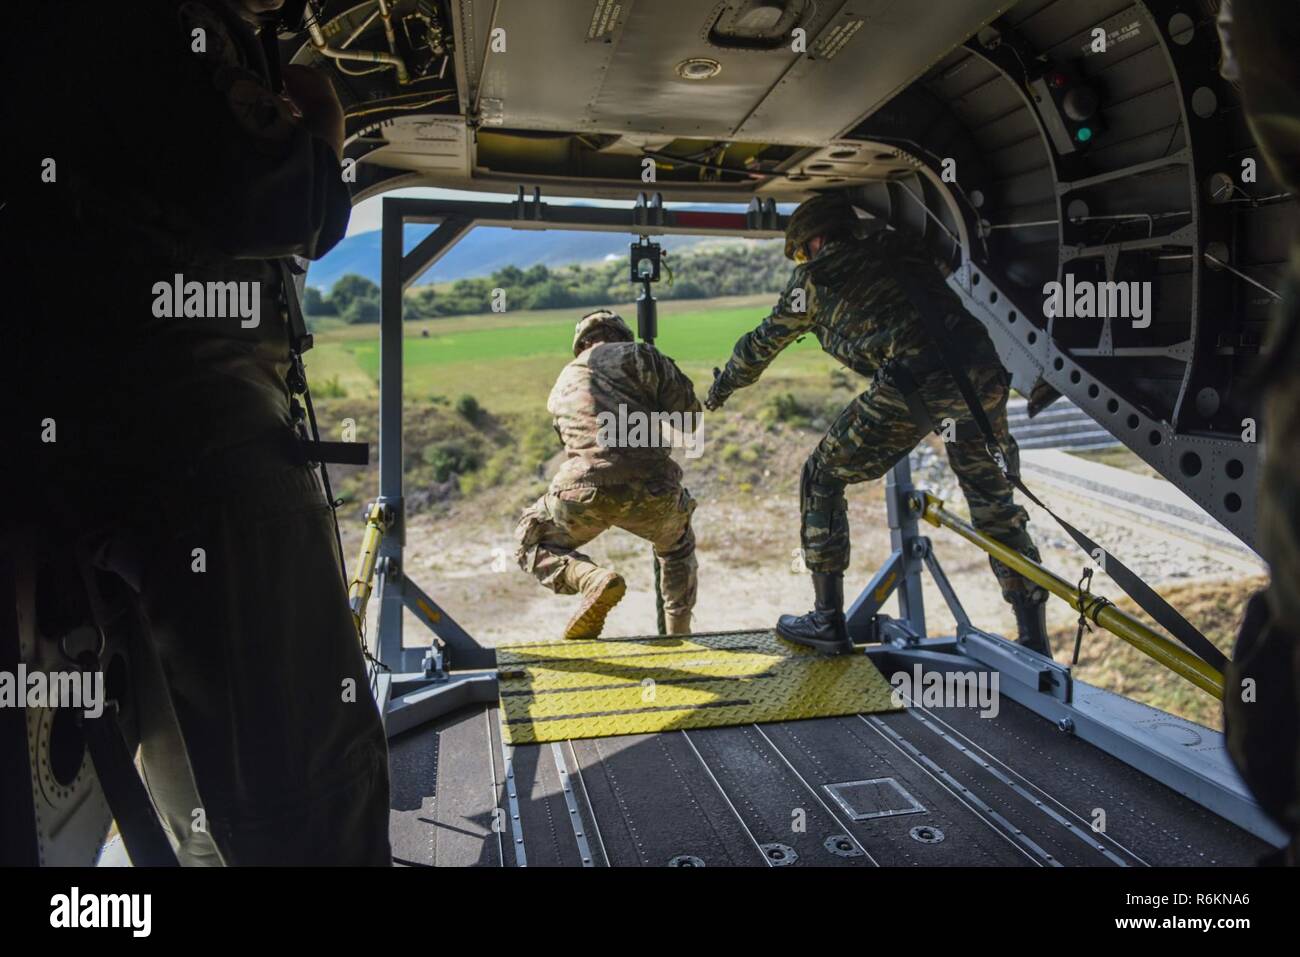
1133	586
906	375
313	451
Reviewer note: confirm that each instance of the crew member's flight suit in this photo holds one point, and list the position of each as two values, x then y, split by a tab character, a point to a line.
851	297
607	481
172	161
1262	689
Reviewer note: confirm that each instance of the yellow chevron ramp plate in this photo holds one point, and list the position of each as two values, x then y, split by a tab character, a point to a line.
555	690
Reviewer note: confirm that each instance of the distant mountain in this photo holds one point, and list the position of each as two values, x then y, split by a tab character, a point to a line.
483	251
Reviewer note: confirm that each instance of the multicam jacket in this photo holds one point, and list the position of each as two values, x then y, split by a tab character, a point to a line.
597	402
850	297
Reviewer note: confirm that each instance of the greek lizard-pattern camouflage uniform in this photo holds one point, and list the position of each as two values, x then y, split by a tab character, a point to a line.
1262	688
849	297
605	484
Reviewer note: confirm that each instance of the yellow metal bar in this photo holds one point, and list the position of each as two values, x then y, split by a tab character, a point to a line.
360	587
1170	654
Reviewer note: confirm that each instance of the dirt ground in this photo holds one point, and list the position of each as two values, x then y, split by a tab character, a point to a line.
747	530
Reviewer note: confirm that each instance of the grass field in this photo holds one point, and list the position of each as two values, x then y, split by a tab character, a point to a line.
509	362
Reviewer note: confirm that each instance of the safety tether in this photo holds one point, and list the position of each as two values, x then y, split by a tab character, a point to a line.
1128	581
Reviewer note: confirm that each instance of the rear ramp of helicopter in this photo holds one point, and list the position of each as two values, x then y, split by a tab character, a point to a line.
916	786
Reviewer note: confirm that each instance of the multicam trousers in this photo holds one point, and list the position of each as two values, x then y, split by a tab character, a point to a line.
876	430
564	519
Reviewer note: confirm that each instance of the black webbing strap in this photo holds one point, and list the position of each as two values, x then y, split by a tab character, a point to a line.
1133	586
133	810
661	622
335	453
313	449
267	36
299	339
898	374
900	377
142	833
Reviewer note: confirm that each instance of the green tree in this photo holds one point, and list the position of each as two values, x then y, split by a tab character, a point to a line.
362	310
552	294
508	276
315	304
350	288
420	303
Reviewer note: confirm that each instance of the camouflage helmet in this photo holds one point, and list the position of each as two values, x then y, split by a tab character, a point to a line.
823	215
601	318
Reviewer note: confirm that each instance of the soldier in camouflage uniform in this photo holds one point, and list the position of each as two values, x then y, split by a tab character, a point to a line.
1262	689
260	741
847	292
605	482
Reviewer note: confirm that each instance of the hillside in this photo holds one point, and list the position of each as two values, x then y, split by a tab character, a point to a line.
484	251
702	272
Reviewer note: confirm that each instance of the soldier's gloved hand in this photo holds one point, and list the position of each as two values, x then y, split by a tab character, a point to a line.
718	392
312	94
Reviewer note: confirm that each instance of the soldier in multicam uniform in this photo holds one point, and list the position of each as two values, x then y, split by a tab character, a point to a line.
603	484
847	292
1261	700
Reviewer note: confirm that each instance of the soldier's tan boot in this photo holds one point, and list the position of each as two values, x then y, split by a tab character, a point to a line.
677	624
600	589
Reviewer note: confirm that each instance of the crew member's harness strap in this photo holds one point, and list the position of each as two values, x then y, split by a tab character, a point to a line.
906	379
312	448
137	820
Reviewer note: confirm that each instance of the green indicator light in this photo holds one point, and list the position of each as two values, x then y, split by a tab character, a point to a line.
1083	134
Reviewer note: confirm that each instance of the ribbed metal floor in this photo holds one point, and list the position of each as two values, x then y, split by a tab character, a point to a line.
920	787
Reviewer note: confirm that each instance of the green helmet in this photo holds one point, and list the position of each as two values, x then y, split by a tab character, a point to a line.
601	318
823	215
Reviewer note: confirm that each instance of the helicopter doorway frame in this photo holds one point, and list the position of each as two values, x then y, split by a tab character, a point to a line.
414	684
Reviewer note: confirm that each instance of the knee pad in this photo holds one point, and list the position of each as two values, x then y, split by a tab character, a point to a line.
684	549
529	532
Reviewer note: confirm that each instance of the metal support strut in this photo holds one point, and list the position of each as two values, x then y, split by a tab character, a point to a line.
900	573
1150	642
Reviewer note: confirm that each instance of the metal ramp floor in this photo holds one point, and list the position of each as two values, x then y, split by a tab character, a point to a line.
930	787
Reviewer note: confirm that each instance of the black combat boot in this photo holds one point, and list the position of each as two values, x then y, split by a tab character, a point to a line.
1031	623
823	627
